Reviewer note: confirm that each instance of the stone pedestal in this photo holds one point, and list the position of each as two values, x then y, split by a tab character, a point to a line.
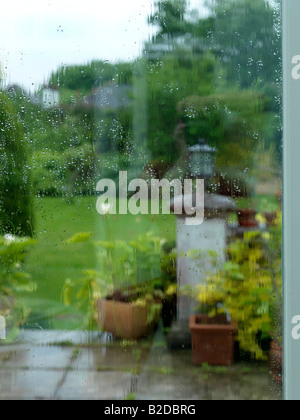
196	246
205	240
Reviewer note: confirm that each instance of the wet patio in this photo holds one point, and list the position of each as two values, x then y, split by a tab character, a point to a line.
47	365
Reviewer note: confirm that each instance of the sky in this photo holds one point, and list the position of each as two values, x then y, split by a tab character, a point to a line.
38	36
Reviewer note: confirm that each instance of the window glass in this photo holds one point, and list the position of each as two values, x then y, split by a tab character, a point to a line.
140	200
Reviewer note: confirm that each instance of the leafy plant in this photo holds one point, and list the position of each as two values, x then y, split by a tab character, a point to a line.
125	264
127	271
13	279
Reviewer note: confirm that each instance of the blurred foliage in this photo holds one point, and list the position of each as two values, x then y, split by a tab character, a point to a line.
68	174
215	76
13	279
233	121
127	271
234	76
218	77
15	192
168	81
124	264
249	288
83	78
13	251
246	36
169	17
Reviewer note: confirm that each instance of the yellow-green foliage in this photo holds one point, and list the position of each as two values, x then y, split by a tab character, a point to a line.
13	252
14	281
249	288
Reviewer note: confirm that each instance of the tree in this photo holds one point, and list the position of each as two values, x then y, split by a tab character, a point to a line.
232	121
245	37
15	197
85	78
175	77
169	16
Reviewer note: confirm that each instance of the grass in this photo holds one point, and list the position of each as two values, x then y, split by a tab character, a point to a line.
162	370
261	203
52	261
130	397
206	368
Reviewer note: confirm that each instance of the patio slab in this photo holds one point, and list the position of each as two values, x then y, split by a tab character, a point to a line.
92	385
101	370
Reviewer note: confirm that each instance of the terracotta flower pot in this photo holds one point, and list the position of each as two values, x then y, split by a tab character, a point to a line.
246	218
212	343
125	320
276	361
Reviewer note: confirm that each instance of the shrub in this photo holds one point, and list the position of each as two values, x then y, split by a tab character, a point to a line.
15	196
68	173
249	288
14	281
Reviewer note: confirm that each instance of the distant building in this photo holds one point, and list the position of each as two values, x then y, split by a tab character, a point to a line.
50	97
14	89
111	97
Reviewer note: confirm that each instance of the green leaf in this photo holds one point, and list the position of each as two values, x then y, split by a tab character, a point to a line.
78	238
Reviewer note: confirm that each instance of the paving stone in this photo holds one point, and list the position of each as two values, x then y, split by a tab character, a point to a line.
30	370
88	385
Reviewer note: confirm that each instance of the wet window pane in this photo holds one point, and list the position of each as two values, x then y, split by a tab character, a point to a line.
140	200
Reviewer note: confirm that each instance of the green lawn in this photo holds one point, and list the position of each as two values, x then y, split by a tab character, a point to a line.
52	261
261	203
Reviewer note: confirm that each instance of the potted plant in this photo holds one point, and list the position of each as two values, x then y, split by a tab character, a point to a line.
123	294
247	285
128	320
133	310
212	333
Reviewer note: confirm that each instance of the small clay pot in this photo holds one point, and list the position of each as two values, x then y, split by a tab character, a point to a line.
212	343
125	320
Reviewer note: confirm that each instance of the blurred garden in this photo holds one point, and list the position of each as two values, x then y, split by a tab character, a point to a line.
216	77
